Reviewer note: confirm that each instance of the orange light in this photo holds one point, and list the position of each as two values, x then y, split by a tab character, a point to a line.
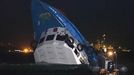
26	50
110	53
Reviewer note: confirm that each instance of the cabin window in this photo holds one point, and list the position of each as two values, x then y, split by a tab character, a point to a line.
69	41
50	37
81	60
42	39
76	52
61	37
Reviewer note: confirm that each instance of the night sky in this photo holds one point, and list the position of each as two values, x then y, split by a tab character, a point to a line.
92	17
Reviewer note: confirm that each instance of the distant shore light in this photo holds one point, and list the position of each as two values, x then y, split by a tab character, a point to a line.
26	50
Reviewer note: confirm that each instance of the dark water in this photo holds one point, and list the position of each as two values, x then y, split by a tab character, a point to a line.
127	60
33	69
130	69
47	69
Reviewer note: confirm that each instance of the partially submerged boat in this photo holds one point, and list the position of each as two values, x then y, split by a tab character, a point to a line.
57	46
58	40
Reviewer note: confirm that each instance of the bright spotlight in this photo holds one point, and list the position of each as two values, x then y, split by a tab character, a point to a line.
110	53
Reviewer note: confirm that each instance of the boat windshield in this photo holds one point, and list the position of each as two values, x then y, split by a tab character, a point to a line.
61	37
50	37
